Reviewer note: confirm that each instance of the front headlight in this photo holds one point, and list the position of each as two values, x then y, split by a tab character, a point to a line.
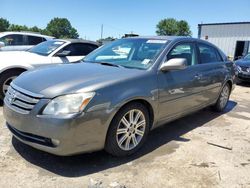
68	104
238	68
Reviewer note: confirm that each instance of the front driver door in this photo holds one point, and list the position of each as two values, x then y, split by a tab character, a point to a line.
178	89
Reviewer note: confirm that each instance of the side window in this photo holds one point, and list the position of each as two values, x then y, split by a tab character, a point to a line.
80	49
208	54
184	50
13	40
33	40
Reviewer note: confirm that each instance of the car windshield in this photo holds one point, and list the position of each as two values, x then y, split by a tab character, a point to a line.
129	53
46	48
247	57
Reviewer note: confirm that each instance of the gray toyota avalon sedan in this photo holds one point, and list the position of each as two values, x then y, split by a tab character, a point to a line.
117	95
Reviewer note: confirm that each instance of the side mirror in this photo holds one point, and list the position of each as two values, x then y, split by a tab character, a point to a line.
64	53
2	44
174	64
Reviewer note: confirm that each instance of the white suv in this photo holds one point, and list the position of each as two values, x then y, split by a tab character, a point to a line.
52	52
20	41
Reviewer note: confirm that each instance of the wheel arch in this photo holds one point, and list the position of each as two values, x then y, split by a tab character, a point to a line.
21	69
230	82
146	103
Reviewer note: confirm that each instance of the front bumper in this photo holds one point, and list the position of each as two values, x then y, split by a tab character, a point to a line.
79	134
244	76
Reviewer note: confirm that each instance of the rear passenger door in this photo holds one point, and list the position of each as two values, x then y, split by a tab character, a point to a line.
211	68
178	89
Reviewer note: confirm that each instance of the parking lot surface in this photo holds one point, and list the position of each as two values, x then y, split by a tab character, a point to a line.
205	149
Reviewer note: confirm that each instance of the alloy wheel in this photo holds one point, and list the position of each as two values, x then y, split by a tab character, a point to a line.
224	96
131	129
6	84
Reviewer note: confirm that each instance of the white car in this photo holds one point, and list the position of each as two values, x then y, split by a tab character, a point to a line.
13	63
20	41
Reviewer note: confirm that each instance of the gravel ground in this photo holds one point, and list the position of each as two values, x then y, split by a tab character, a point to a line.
175	155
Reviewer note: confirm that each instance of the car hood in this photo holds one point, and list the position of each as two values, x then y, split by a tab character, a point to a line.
19	57
71	78
242	62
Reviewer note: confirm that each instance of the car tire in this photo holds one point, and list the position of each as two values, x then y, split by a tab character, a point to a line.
126	135
5	79
222	101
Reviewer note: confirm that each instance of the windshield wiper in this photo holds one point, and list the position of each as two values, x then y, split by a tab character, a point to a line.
109	64
104	63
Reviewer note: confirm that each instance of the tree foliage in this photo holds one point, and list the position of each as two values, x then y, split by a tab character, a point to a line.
57	27
4	24
61	28
171	26
14	27
184	29
108	39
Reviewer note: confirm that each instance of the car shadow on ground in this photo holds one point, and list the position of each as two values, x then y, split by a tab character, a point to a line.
244	84
84	164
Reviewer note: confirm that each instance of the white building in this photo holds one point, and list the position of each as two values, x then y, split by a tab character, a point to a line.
232	38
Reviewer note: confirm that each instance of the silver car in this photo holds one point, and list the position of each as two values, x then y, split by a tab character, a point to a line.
117	95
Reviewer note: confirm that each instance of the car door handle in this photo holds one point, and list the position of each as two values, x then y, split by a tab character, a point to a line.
198	76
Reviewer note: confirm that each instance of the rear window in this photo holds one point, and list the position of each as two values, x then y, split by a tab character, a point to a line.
208	54
80	49
33	40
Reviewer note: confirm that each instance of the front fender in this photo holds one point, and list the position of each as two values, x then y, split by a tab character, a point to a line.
115	96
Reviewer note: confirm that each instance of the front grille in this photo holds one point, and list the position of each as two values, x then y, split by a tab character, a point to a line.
21	101
243	76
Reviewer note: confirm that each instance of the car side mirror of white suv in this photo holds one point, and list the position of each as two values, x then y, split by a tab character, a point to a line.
174	64
64	53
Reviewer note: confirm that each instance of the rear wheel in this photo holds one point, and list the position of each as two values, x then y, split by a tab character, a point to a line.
128	130
5	80
223	98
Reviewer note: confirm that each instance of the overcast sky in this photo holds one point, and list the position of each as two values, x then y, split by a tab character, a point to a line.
119	17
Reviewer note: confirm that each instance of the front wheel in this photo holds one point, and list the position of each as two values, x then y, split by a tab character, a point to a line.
5	80
222	101
128	130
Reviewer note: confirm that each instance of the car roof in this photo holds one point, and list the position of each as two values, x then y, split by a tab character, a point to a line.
162	37
173	38
78	41
25	33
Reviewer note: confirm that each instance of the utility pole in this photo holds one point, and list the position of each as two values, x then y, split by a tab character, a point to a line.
101	31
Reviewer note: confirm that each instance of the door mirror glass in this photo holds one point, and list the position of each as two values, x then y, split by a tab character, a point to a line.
174	64
2	44
64	53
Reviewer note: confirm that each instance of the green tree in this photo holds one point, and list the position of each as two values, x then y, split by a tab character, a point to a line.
61	28
183	28
108	39
15	27
171	26
167	27
35	29
4	24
